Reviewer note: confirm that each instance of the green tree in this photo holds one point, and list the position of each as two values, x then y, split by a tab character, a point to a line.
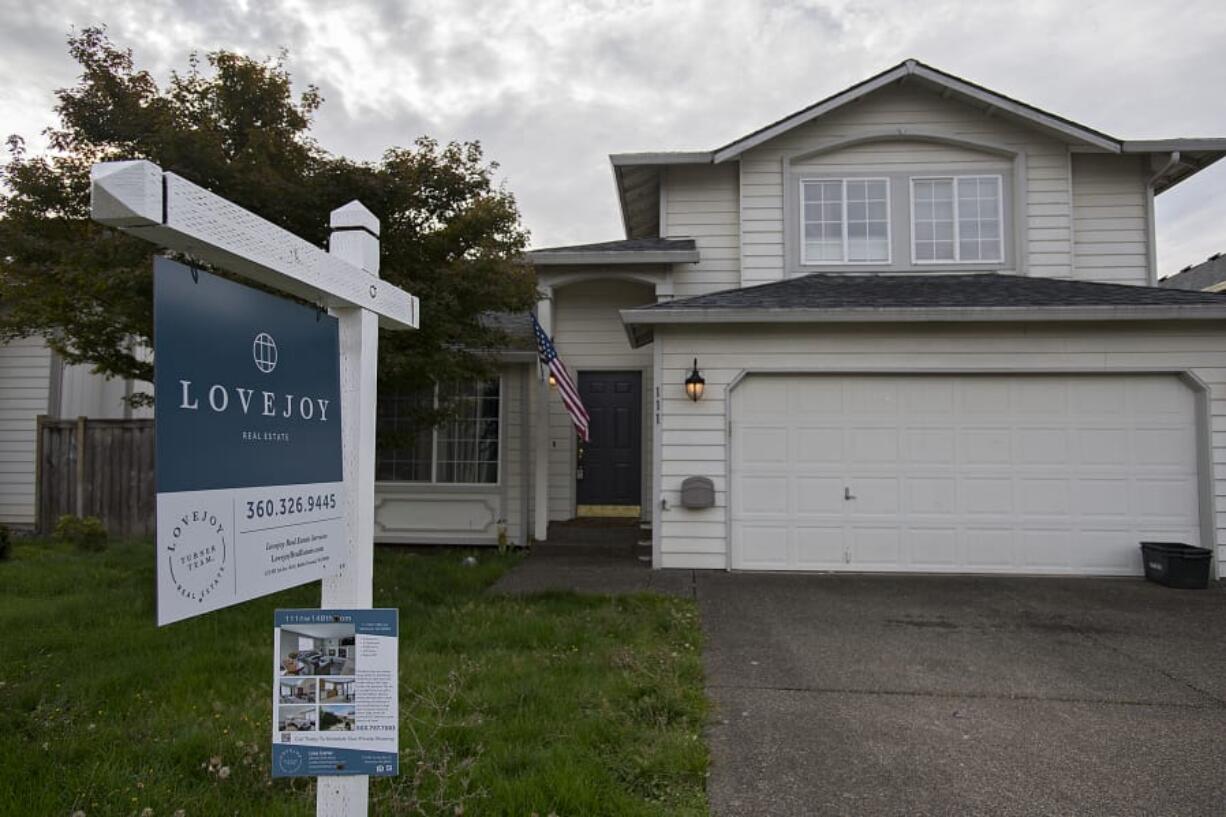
450	235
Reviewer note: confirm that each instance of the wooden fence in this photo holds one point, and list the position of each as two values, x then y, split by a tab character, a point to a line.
101	468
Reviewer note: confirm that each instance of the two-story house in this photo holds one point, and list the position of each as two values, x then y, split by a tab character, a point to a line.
924	319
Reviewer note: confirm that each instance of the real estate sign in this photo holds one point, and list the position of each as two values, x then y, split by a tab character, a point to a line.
335	693
249	491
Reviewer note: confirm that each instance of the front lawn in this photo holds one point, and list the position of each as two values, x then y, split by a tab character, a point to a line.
559	703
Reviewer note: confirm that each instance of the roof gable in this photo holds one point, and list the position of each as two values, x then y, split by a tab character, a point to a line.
948	83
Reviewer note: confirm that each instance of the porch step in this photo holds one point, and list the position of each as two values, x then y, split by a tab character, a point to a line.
595	531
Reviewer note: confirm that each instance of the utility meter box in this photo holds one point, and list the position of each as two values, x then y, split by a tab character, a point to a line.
697	492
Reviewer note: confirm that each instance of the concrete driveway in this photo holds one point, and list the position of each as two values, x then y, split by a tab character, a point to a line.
883	695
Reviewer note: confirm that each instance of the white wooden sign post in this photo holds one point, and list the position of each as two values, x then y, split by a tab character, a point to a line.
139	198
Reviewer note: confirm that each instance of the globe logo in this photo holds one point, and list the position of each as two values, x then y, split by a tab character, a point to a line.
264	349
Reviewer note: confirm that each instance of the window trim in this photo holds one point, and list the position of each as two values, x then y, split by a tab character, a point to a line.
433	481
1000	219
889	230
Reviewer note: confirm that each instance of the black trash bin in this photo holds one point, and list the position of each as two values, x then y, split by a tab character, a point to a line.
1176	564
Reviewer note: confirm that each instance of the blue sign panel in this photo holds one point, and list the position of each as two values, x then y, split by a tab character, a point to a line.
247	388
248	422
335	688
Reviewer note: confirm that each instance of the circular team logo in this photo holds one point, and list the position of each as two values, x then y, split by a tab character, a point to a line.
264	349
197	554
290	760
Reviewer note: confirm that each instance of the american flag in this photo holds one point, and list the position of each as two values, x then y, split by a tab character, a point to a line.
566	386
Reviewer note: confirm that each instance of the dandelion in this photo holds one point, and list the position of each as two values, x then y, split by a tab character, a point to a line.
223	772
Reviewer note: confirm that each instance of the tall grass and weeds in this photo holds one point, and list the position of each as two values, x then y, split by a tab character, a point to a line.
551	704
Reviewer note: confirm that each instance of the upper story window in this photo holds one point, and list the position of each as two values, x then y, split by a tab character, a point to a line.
956	219
462	450
845	221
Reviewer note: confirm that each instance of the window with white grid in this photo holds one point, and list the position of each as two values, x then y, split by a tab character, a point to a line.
956	219
845	221
463	449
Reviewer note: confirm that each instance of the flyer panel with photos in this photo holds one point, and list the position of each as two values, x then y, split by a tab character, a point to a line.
334	693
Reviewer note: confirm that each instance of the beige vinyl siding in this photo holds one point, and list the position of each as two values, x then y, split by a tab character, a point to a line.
588	333
1110	219
422	513
25	378
700	202
694	435
1045	243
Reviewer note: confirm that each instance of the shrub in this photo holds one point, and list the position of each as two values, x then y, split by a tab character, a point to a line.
85	532
6	543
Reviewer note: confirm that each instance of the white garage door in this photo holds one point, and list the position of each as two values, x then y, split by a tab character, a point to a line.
967	473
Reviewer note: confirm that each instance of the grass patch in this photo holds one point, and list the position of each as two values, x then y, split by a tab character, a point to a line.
556	703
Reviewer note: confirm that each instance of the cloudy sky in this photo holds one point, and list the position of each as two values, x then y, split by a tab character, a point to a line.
551	88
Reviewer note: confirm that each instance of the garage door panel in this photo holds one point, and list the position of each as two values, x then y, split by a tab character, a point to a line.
1171	446
871	397
1099	550
816	397
986	398
1157	396
1160	498
932	548
763	494
1102	446
1036	398
1040	474
1043	496
932	495
873	444
820	495
875	546
985	446
875	495
818	445
1042	446
986	495
764	444
770	550
1101	497
821	547
1100	396
930	446
1046	549
987	548
938	401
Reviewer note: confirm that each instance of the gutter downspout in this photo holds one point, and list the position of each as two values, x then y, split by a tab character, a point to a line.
1151	216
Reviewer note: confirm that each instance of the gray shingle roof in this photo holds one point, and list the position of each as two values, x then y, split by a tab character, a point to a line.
627	245
824	291
517	326
1203	275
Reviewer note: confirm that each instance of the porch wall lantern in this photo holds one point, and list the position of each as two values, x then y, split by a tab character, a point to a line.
695	384
553	381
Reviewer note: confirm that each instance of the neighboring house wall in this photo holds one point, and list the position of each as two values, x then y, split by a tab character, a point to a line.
695	435
702	202
896	115
424	513
86	394
25	393
589	335
1111	235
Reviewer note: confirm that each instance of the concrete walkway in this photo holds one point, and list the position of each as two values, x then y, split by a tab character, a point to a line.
592	569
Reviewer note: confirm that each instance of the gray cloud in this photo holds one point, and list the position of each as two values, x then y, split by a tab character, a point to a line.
551	87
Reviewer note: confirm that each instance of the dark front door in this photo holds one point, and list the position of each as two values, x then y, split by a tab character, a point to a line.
610	466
